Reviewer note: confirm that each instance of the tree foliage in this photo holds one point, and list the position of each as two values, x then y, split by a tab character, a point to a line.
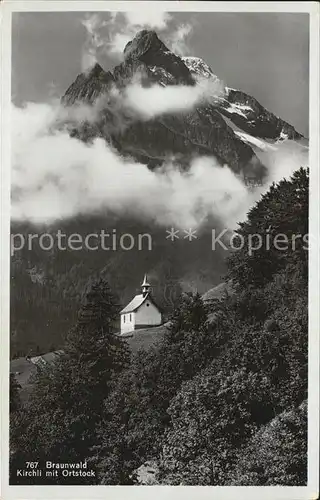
277	453
260	371
141	395
283	210
220	401
67	401
15	402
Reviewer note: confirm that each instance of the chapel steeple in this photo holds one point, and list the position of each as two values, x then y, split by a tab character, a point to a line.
146	287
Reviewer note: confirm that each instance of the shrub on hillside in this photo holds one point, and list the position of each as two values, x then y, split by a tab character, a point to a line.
277	453
282	210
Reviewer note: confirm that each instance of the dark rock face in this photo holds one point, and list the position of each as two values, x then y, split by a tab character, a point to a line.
247	113
144	41
147	47
201	131
88	86
124	72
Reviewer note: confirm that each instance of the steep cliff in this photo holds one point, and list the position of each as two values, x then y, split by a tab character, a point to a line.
201	130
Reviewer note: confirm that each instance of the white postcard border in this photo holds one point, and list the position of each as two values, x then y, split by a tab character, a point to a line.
168	492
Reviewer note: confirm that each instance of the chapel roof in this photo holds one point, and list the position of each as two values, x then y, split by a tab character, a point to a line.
136	302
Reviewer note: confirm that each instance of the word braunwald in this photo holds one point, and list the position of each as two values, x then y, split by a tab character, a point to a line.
69	465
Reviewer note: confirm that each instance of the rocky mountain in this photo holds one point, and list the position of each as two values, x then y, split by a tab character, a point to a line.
204	130
88	86
247	113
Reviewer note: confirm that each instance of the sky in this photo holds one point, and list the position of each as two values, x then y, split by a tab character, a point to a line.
264	54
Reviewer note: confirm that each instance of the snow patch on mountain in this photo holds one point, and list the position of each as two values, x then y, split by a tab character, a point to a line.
227	89
283	136
162	76
254	141
198	66
240	109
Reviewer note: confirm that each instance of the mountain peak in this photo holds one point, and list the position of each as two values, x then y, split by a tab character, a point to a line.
95	70
144	41
147	48
88	85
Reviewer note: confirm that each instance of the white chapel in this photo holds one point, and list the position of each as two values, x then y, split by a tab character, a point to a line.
141	312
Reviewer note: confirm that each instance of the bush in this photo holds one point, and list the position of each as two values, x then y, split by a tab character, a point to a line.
277	454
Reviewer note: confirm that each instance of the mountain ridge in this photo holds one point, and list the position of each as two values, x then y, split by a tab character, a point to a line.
201	130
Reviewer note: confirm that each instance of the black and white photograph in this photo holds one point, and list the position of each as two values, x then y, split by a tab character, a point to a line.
163	266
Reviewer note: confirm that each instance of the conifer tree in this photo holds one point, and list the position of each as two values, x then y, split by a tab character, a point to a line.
280	220
67	402
93	343
15	402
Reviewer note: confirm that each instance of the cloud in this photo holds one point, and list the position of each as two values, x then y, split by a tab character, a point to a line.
118	41
93	42
155	100
284	159
177	41
150	18
112	34
123	27
55	176
137	102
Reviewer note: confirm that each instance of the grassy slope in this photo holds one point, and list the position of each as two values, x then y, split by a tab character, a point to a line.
144	338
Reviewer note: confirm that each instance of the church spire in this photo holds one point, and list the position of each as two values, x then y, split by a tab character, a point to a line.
145	286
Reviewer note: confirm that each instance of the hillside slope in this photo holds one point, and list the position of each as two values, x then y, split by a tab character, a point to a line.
47	286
